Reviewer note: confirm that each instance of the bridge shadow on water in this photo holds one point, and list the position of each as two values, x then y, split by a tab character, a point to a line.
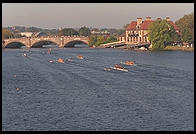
15	45
76	44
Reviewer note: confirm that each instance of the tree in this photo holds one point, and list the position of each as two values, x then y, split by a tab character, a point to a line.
100	40
173	35
186	25
161	33
187	36
84	31
111	39
68	32
7	34
92	40
125	26
120	32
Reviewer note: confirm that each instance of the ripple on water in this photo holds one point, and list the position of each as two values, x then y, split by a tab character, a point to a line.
81	95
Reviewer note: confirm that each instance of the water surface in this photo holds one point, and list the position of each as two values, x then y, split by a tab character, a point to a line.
157	94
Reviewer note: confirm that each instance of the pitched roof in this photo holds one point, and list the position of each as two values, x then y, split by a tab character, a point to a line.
132	25
146	24
174	25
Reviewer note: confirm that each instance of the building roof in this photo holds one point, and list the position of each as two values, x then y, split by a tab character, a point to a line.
146	24
132	25
174	25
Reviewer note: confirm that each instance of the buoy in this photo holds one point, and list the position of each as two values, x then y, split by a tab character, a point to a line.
17	88
25	54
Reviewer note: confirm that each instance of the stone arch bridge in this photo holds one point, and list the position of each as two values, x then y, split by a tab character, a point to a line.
32	41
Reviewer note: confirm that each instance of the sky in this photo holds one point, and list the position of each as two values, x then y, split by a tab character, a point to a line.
95	15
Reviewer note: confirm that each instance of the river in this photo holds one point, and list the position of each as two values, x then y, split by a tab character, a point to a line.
156	94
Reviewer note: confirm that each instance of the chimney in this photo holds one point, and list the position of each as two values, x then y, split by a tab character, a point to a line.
158	18
139	21
148	18
167	18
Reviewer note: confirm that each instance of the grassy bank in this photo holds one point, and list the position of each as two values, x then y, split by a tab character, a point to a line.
179	48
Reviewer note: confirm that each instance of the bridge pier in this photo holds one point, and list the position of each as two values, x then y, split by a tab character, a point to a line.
62	43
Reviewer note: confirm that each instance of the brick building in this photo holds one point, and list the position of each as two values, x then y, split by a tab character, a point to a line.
137	31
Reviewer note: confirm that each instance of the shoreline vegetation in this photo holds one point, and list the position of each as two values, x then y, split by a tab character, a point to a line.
177	48
167	48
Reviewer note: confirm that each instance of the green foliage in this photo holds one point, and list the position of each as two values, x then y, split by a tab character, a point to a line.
120	32
161	33
92	40
99	39
84	31
125	26
68	32
111	39
186	25
187	36
7	34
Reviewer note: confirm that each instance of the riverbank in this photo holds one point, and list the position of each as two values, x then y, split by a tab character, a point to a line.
176	48
168	48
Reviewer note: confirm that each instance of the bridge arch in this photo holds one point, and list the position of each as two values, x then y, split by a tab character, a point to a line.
14	44
72	43
41	43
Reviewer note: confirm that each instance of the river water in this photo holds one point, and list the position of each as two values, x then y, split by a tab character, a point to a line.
156	94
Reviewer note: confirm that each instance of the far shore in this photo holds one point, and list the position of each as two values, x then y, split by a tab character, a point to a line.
176	48
168	48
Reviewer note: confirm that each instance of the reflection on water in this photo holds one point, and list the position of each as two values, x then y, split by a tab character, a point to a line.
157	94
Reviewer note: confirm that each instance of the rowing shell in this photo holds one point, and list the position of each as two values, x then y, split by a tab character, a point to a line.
107	69
126	64
119	69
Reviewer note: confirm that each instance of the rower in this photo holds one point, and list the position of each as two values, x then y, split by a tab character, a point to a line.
60	60
49	51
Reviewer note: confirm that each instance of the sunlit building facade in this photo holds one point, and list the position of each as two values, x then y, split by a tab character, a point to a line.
137	31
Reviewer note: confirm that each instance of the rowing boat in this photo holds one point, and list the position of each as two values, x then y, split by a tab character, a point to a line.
119	69
107	69
80	57
124	63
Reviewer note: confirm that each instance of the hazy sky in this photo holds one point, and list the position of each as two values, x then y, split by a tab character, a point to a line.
99	15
